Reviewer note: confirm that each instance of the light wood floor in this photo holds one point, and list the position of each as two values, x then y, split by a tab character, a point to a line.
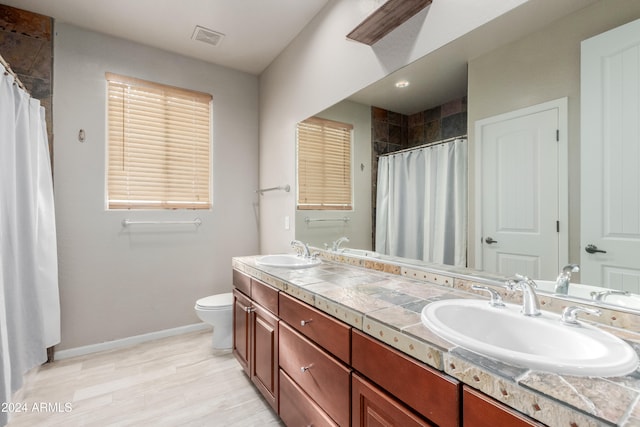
175	381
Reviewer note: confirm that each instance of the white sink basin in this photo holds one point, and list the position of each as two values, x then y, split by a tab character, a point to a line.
625	301
287	261
542	342
360	252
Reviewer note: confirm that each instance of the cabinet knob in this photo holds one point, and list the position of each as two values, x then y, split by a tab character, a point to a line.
305	368
305	322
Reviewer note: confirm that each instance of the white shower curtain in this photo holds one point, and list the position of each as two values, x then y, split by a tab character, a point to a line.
29	299
421	207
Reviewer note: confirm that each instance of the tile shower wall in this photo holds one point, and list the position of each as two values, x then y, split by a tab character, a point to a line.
393	131
26	44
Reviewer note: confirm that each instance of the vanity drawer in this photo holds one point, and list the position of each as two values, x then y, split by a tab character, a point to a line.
265	295
322	377
431	393
371	406
297	409
480	410
242	282
331	334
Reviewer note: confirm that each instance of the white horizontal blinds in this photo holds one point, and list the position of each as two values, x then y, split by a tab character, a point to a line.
159	145
324	165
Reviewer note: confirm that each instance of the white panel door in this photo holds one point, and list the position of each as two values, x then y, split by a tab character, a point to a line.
520	196
610	159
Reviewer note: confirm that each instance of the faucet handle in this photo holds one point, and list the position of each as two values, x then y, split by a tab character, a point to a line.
570	268
600	296
496	299
522	278
301	248
569	314
514	284
336	243
297	247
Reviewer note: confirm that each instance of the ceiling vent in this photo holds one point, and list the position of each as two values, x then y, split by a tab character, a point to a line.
207	36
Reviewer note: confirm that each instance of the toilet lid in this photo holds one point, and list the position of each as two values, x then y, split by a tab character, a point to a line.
216	301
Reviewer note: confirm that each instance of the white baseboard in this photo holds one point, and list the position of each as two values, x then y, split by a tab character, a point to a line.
129	341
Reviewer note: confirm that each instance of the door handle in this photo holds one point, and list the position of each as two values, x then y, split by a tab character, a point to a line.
592	249
490	240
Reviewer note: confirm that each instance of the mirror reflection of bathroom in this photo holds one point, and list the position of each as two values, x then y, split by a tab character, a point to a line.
526	206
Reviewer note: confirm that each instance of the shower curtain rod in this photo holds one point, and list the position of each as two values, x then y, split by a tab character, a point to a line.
428	144
8	69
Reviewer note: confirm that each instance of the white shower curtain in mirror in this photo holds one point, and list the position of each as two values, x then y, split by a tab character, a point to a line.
421	206
29	299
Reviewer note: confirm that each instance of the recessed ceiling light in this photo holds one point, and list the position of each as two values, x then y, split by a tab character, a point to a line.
402	83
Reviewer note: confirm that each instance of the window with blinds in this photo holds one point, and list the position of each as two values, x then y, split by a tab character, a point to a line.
159	140
324	165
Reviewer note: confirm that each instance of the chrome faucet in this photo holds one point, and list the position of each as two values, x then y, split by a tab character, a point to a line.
336	244
564	279
530	303
302	248
600	296
569	314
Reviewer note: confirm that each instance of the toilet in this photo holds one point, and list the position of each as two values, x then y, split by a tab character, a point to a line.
217	311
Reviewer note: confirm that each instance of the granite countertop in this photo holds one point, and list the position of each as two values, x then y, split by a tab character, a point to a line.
385	300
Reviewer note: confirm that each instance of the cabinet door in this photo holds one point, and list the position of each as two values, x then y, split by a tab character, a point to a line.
429	392
479	410
264	359
372	407
241	325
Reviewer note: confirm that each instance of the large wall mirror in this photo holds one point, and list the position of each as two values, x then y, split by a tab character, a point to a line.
530	56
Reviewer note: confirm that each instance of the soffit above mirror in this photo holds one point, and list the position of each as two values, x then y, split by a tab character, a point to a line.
385	19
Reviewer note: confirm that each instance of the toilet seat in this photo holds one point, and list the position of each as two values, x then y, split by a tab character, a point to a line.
215	302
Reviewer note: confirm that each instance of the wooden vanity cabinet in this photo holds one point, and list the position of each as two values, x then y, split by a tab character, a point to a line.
316	383
264	360
316	370
297	408
241	329
480	410
429	392
371	406
255	334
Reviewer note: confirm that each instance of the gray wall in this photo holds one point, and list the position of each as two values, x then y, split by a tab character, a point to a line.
115	282
541	67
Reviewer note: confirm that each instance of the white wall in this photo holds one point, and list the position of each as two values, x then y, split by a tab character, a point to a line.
321	67
358	228
116	282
